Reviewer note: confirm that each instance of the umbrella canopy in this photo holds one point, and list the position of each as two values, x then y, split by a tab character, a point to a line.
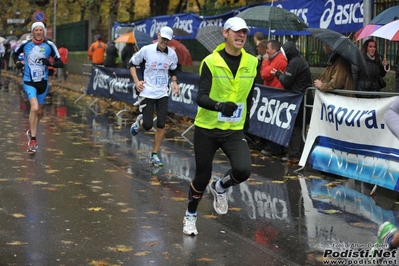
180	32
272	18
138	37
211	36
341	45
390	31
381	19
2	39
183	54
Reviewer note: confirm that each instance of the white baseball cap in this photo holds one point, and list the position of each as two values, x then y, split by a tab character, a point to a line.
236	24
166	32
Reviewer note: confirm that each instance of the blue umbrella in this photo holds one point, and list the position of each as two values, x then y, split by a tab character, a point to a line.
386	16
142	38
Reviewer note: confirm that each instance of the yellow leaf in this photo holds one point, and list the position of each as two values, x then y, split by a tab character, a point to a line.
179	199
121	248
4	179
278	182
51	171
39	183
18	215
290	177
234	209
21	179
155	183
142	253
206	259
210	216
331	185
331	211
96	209
110	171
153	212
146	227
50	188
17	243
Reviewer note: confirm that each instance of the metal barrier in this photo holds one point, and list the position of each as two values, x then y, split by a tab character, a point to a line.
86	73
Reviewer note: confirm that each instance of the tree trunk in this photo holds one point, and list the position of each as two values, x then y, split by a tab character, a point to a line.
113	14
158	7
94	21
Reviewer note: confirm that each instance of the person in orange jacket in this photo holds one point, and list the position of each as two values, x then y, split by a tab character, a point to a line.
97	50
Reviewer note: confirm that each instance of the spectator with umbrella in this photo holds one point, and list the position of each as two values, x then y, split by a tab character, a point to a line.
375	68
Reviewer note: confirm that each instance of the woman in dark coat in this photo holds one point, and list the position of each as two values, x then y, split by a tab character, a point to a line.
371	81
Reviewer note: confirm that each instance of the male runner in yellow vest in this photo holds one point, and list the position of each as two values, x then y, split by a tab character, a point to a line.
227	78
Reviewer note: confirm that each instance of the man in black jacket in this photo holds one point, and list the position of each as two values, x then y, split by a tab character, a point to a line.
297	77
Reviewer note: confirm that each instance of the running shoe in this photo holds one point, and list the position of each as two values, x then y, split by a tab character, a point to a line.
135	128
220	203
156	161
385	231
189	227
32	146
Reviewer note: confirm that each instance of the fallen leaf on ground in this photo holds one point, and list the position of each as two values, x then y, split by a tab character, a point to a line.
121	248
39	183
96	209
151	244
18	215
205	259
179	199
142	253
17	243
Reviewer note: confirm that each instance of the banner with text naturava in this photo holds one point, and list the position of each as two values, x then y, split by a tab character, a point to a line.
349	137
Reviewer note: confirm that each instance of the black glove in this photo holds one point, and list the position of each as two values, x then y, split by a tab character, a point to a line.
227	108
19	65
45	62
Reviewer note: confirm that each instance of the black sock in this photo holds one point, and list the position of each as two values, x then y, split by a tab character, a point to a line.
154	153
33	138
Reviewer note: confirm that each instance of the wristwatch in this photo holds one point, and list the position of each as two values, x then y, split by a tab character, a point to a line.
217	106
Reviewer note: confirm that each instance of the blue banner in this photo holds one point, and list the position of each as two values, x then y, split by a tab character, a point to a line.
339	15
272	114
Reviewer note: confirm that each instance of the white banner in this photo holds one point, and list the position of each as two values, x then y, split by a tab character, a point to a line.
349	137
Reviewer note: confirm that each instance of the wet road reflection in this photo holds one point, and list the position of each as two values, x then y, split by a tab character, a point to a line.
90	196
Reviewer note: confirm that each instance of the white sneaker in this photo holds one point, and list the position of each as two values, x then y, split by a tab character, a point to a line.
189	227
220	203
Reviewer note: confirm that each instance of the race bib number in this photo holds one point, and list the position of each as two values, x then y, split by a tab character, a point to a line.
161	80
237	115
37	73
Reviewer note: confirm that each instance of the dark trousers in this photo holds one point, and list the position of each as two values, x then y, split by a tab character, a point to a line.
234	146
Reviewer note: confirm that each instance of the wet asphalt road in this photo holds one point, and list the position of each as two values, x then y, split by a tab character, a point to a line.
90	197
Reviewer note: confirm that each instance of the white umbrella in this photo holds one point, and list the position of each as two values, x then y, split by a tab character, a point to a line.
2	39
389	31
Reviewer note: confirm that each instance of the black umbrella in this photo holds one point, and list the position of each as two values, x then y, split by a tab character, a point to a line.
211	36
342	45
272	18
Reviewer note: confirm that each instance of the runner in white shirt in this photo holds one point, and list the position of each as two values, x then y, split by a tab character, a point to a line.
160	64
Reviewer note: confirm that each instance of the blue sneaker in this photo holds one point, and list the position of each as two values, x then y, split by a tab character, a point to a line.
155	160
135	128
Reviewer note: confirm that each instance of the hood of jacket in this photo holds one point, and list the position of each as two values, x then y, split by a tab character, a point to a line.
290	50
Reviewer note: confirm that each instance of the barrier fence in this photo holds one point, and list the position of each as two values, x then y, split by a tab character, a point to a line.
347	135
